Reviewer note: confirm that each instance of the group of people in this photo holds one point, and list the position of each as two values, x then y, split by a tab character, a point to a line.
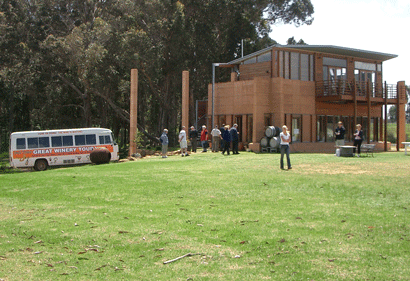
358	136
221	140
223	137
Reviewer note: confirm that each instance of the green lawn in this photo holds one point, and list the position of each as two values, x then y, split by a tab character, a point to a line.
329	218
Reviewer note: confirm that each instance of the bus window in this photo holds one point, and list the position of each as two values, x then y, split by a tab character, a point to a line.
56	142
90	139
79	140
32	142
21	143
68	141
105	139
44	142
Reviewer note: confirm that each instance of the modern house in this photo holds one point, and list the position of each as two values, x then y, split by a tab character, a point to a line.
309	88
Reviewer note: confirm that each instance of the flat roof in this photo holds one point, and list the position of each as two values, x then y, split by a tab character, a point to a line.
327	49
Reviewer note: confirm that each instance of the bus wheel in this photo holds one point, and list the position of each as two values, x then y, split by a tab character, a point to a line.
40	165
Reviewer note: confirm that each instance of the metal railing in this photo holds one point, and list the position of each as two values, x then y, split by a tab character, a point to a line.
328	88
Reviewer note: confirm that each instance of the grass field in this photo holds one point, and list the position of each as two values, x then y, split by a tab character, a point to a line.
329	218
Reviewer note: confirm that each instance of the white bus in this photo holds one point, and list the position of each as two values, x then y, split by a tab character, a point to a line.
40	149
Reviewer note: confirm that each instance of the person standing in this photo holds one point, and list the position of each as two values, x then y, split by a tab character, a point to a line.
340	134
358	138
216	137
193	135
235	138
164	141
284	146
226	139
183	142
204	138
222	129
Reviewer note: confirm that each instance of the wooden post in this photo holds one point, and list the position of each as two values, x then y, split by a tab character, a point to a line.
369	105
355	103
385	115
133	111
185	100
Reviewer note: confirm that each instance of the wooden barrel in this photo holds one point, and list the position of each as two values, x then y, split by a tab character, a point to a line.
278	130
270	131
274	142
264	142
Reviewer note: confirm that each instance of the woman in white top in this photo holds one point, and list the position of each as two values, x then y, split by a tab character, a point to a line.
284	146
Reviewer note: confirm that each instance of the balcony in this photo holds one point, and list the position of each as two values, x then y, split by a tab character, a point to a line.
342	91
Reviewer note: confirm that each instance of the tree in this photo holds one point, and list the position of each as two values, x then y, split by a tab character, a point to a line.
392	114
67	63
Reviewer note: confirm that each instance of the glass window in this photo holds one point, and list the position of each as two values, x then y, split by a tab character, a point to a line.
364	66
265	57
32	142
304	67
108	139
79	140
249	61
294	66
331	126
56	142
280	64
312	78
91	139
325	73
21	143
102	140
321	128
44	142
334	62
68	141
296	128
286	63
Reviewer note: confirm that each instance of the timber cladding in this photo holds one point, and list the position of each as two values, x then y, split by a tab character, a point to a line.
249	71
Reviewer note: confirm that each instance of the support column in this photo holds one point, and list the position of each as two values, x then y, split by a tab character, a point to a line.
401	114
133	111
385	115
185	99
369	105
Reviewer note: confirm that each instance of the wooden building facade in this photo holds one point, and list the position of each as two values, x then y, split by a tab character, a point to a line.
308	88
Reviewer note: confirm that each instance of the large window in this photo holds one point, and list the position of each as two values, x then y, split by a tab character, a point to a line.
296	66
296	128
41	142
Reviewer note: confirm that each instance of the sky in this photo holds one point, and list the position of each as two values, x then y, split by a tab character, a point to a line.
371	25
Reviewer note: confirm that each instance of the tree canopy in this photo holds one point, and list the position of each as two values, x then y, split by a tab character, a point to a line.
67	63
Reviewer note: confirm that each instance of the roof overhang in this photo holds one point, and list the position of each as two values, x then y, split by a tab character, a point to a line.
325	49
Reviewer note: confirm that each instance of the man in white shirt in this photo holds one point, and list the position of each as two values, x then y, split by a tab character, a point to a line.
183	142
216	138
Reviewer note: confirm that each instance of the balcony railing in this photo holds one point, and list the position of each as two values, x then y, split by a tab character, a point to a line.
342	87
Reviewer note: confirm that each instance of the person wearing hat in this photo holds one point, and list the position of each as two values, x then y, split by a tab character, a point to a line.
164	141
204	138
193	135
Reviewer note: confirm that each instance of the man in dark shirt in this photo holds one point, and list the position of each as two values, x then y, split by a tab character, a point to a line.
235	139
193	136
340	134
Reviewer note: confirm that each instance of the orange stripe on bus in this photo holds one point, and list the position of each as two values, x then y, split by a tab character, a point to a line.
61	151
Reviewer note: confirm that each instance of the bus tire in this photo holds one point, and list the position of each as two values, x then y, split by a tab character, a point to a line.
41	165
